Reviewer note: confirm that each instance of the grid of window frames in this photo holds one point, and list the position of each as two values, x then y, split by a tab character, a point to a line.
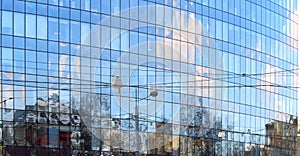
54	100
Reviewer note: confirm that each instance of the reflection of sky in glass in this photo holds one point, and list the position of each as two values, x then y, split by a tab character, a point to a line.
252	52
149	75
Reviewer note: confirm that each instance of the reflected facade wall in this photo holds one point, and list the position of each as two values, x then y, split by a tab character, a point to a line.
151	77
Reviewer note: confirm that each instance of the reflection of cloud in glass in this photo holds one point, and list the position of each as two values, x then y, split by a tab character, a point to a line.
62	64
178	58
175	56
9	75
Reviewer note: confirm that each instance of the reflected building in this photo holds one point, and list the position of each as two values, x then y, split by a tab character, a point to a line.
281	134
298	139
148	77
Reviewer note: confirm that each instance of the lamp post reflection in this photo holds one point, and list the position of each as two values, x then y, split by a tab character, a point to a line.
153	93
117	84
4	101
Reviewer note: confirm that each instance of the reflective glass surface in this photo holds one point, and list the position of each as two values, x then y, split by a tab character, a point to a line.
148	77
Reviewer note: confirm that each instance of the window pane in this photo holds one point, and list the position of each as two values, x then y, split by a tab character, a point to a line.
115	6
64	30
7	57
6	22
64	3
212	27
18	6
42	26
85	30
19	24
30	26
218	29
225	31
85	5
54	2
7	4
96	5
105	7
75	4
53	29
75	28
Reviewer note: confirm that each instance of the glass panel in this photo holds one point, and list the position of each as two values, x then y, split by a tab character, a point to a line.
75	28
175	86
7	22
30	26
85	30
85	4
18	5
42	25
7	4
19	24
53	32
7	60
64	3
219	29
64	30
95	7
105	7
115	6
75	4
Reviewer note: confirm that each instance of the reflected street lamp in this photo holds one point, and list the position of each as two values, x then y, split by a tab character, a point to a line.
117	84
4	101
222	134
153	93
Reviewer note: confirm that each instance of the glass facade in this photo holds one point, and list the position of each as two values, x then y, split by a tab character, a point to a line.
148	77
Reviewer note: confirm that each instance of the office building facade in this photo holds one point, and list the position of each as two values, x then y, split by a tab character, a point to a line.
148	77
